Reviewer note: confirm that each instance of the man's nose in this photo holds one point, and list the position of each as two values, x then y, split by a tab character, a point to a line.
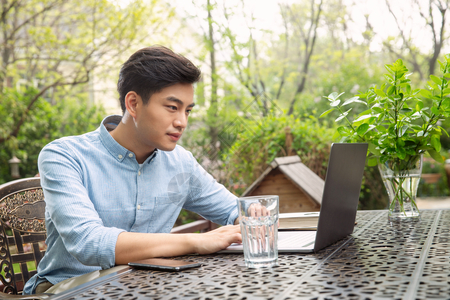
181	121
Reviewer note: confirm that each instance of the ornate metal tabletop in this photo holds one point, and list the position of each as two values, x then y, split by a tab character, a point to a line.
378	261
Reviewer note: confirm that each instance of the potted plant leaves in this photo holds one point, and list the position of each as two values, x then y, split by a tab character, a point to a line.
400	124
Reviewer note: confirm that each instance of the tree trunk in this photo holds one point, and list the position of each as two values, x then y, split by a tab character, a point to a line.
309	48
213	109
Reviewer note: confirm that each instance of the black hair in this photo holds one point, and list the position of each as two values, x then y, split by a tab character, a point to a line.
151	69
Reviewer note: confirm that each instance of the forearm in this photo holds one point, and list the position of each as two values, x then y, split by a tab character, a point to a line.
132	246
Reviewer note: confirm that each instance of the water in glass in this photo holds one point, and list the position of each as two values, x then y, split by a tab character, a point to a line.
259	236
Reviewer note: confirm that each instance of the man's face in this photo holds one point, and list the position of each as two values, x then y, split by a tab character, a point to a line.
162	121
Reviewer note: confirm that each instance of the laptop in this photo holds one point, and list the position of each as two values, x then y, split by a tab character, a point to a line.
339	203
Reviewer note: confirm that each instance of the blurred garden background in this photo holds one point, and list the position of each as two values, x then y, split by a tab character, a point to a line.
266	66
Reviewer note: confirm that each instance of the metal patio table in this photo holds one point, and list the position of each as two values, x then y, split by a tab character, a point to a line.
378	261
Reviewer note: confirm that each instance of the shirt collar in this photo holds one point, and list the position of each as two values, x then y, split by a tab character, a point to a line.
114	148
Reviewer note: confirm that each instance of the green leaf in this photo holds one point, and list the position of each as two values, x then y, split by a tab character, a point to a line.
389	68
332	96
326	112
401	153
376	105
363	118
405	110
411	152
419	105
432	85
435	155
436	142
381	129
380	92
377	109
343	115
374	149
343	130
339	118
436	79
344	139
435	110
400	74
353	100
426	93
372	162
388	78
340	95
335	103
416	115
371	127
400	143
403	130
361	130
447	75
390	90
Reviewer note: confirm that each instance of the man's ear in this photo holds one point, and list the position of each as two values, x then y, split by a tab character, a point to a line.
132	103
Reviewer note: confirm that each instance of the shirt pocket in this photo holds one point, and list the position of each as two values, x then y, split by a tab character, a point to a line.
166	213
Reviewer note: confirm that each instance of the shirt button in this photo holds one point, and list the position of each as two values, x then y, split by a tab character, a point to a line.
139	173
120	156
138	207
130	155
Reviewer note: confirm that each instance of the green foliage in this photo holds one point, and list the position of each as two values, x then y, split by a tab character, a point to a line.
43	124
60	42
265	139
396	124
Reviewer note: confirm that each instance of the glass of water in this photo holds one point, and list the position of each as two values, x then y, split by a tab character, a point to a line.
258	217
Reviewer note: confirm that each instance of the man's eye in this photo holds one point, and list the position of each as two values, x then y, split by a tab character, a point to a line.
188	111
172	107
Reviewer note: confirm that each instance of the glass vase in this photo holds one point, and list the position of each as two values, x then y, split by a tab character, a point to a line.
401	179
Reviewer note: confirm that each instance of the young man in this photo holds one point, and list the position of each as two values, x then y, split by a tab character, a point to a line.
113	195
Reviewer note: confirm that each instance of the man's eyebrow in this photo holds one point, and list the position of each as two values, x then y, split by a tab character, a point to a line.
174	99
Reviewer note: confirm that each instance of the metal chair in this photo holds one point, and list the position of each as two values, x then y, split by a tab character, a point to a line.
22	234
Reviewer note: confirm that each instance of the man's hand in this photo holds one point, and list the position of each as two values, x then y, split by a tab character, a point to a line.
257	210
218	239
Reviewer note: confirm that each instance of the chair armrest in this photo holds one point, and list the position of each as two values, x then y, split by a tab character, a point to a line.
200	225
27	297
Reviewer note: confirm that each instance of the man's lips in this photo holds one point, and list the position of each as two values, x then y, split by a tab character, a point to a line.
174	136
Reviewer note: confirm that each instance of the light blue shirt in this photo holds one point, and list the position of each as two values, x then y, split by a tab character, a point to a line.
95	189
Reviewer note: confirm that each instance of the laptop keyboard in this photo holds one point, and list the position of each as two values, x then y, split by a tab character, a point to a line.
296	239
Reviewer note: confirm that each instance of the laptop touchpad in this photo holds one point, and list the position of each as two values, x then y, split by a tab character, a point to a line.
296	239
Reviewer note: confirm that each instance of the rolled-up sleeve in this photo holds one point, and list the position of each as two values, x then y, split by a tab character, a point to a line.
71	211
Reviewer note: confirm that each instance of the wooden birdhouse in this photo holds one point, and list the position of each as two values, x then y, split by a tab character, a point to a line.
298	188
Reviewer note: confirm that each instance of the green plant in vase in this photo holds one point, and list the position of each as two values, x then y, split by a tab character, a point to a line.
400	124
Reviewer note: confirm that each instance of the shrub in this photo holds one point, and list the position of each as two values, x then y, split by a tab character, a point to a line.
263	140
